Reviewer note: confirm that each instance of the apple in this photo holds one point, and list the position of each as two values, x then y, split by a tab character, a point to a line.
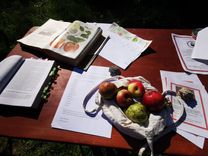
153	100
107	90
136	88
137	113
124	98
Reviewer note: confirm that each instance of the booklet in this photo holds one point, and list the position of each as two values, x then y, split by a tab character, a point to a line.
64	41
24	82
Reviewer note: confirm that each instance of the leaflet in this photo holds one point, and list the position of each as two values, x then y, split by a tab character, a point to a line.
191	79
184	46
123	47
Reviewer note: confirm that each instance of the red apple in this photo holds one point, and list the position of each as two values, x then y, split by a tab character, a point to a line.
136	88
153	100
124	98
107	90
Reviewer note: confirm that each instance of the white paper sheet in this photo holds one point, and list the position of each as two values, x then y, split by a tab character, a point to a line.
184	46
123	47
200	50
42	36
195	139
191	78
70	114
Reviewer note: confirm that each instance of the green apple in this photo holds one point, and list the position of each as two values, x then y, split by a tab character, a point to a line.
137	113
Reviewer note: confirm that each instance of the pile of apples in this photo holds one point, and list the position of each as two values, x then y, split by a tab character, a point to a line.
133	99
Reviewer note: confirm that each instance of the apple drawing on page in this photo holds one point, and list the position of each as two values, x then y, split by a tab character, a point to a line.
136	88
70	46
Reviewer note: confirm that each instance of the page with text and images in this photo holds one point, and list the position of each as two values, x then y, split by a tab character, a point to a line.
196	106
192	79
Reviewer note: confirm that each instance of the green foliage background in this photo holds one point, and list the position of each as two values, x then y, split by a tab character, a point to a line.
17	16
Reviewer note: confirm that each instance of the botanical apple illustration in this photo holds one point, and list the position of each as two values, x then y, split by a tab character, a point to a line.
107	90
124	98
153	100
136	88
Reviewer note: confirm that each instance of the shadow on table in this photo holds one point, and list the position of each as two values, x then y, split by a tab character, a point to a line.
10	111
159	146
148	51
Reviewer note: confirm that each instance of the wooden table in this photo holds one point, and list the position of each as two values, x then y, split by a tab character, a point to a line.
161	55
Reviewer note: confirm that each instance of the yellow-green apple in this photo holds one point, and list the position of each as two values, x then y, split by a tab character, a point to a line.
107	90
124	98
153	100
136	88
138	113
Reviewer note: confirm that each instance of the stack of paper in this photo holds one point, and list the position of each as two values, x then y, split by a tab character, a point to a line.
195	126
123	47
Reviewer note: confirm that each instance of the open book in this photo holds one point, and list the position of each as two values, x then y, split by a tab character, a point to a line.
64	41
23	81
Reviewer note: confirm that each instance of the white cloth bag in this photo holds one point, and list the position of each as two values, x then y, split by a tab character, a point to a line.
158	124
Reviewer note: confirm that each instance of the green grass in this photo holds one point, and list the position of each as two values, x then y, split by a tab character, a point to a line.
27	147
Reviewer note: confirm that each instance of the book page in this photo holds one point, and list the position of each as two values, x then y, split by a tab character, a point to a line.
8	67
26	83
65	38
74	39
45	34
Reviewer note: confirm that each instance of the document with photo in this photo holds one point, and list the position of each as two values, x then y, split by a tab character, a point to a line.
196	107
189	78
